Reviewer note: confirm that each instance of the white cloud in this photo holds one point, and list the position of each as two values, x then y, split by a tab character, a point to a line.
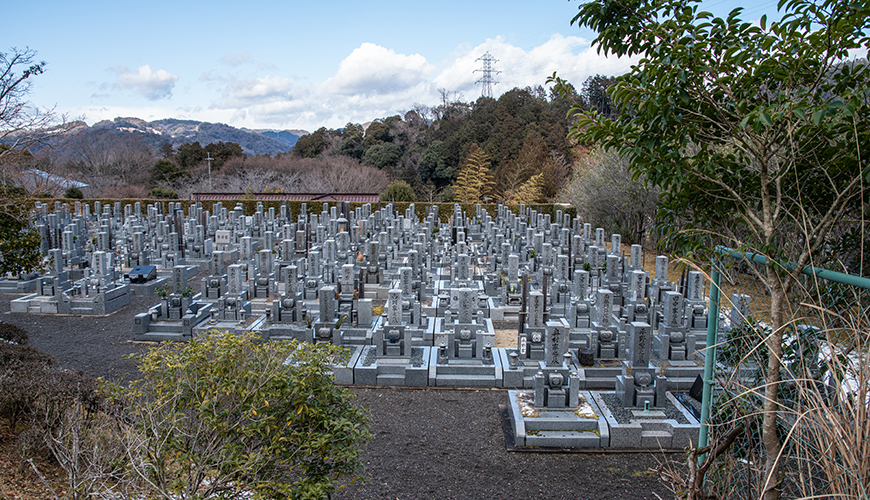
152	85
374	81
570	56
235	59
372	69
263	88
239	92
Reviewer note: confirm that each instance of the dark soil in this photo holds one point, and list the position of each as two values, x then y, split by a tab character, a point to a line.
445	444
96	345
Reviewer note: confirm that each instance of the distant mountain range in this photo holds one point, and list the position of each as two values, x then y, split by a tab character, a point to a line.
176	132
286	136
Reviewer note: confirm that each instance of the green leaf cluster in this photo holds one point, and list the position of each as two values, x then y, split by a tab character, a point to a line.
19	241
398	191
756	134
227	416
749	129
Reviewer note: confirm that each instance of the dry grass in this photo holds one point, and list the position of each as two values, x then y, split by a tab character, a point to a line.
18	480
824	408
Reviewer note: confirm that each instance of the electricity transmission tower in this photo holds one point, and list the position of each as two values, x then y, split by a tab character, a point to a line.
487	71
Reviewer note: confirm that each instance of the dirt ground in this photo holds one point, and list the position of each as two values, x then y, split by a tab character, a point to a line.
429	443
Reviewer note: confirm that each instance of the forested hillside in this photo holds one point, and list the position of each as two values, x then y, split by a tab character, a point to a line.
513	149
521	134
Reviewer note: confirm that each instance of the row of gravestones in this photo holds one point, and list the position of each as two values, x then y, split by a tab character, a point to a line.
315	280
271	274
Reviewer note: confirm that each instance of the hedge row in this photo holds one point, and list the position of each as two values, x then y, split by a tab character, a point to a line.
445	210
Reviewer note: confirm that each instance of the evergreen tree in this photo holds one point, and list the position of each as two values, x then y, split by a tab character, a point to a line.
528	193
223	151
474	181
190	154
352	141
398	191
311	145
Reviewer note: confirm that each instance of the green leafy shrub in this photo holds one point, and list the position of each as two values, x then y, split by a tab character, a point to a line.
398	191
164	192
12	191
226	415
74	193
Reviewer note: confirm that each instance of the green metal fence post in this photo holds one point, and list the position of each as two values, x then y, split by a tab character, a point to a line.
710	356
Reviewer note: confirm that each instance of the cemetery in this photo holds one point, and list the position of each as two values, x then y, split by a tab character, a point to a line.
597	345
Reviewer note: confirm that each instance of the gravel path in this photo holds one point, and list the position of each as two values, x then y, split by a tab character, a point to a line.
98	346
443	444
427	444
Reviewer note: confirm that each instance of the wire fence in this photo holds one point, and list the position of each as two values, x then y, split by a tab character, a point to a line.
822	405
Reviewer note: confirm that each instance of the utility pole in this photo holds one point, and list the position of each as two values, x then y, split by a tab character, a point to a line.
488	72
209	159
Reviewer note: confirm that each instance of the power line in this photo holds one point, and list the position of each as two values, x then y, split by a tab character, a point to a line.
487	71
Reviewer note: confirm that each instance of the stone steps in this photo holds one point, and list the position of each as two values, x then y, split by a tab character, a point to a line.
391	379
387	369
558	439
552	423
656	439
459	369
465	380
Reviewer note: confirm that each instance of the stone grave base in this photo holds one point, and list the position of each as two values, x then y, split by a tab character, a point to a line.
373	370
355	336
375	291
176	330
680	374
203	264
190	272
111	300
34	304
98	305
148	288
18	286
259	306
521	377
670	427
465	372
602	375
343	373
166	332
253	323
600	422
580	427
286	331
422	336
504	313
700	341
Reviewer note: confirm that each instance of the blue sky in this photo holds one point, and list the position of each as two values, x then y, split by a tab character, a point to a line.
295	65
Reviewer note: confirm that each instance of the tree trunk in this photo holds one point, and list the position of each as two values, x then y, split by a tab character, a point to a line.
769	436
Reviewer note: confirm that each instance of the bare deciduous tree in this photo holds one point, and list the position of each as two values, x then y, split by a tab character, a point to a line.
22	125
328	174
603	191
